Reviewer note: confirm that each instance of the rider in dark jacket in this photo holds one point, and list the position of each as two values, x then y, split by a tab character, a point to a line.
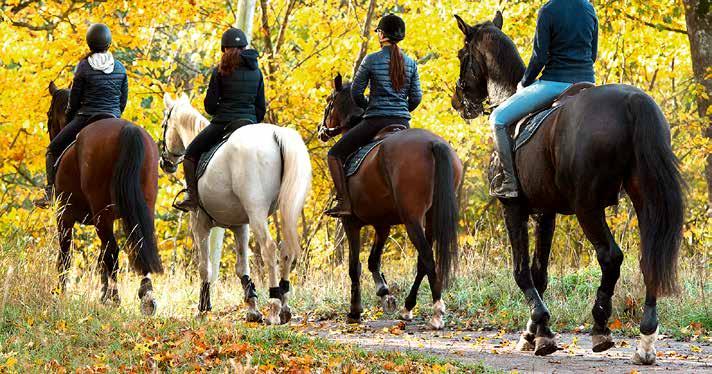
100	86
395	92
235	97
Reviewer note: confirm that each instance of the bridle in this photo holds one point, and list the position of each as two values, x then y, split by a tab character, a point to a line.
165	152
468	66
323	128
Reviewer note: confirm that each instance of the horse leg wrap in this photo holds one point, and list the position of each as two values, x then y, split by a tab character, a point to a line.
284	286
249	287
275	293
145	287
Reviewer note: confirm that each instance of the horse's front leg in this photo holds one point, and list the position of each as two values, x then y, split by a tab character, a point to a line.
201	234
268	247
545	225
352	228
242	269
516	216
65	226
388	301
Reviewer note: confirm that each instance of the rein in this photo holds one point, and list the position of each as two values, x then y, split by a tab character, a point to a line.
164	150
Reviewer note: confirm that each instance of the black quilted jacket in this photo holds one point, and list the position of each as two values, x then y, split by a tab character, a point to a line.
94	91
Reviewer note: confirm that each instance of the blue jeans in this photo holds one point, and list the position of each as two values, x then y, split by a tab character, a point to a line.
526	101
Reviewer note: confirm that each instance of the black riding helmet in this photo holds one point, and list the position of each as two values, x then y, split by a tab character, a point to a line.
392	27
233	38
98	37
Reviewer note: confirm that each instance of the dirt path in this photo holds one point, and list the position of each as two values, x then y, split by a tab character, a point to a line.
496	349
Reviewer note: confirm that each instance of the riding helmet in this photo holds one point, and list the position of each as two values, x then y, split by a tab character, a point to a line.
98	37
392	27
233	38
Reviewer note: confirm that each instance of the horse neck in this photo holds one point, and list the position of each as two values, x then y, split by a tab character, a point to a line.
190	124
502	84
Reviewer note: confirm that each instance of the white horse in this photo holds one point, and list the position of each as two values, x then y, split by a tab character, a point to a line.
262	168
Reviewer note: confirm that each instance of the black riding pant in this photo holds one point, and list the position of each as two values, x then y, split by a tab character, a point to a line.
67	135
361	134
210	136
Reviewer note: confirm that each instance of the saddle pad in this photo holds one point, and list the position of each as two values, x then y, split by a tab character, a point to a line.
530	126
354	161
207	156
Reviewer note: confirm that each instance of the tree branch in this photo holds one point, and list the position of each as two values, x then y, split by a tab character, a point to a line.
365	34
656	25
283	26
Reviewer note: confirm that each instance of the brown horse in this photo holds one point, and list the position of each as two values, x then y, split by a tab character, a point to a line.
110	172
411	179
600	140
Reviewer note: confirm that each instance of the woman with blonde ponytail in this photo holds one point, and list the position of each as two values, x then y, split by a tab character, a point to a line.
395	91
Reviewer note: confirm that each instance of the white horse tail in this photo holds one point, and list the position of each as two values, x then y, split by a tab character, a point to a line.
296	182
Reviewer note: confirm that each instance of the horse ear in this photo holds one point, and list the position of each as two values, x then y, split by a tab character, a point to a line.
498	20
464	27
338	82
52	88
167	100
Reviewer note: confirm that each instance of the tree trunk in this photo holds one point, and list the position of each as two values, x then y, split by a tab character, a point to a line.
365	33
245	16
699	31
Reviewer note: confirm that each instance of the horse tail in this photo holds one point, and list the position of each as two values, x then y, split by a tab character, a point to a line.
661	195
296	182
445	211
131	203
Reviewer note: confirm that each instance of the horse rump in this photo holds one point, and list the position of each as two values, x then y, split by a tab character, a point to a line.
444	211
131	203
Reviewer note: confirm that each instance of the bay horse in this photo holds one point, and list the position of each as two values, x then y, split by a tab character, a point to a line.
261	168
410	179
109	173
602	139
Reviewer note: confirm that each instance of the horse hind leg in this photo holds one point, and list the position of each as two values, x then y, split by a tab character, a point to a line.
64	258
545	225
425	254
108	261
610	257
388	301
242	269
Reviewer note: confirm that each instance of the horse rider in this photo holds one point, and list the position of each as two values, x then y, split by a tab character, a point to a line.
394	93
235	98
100	86
565	48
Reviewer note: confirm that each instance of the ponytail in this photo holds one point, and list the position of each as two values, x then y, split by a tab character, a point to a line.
396	68
229	61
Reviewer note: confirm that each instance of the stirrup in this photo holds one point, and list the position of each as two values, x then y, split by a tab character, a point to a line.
177	205
338	211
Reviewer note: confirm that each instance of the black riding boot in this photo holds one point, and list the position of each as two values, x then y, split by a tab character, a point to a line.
509	188
46	201
343	204
191	199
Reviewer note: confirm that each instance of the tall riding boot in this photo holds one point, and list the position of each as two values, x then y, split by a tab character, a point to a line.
46	201
509	188
191	199
343	204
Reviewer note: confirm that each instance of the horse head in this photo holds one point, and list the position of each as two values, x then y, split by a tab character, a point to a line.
341	111
57	113
490	67
171	145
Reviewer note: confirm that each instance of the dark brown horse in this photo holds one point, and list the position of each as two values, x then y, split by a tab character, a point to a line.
411	179
604	138
109	173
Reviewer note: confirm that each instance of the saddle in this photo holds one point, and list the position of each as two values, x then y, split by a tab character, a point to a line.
354	161
528	126
93	118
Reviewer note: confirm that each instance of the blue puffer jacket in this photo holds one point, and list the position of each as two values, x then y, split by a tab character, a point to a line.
383	100
94	91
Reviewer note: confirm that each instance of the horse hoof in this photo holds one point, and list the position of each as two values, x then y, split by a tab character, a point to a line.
253	316
285	315
148	305
525	343
544	346
602	343
111	299
644	358
437	321
406	315
389	304
353	318
275	307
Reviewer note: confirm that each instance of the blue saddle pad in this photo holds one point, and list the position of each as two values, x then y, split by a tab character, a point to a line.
206	157
530	126
354	161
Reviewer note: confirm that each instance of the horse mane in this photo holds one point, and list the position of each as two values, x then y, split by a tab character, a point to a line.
186	113
504	63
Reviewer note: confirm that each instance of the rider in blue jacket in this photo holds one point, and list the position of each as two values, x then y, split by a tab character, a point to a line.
100	86
565	48
394	92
